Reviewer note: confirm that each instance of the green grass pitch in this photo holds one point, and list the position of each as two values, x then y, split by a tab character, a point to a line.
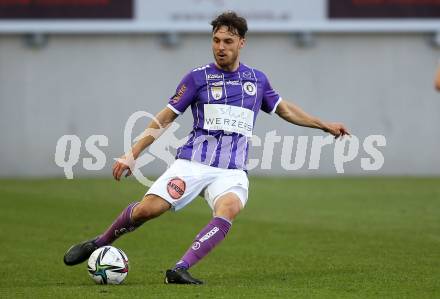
296	238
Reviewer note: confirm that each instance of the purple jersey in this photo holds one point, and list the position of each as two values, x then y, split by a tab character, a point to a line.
224	106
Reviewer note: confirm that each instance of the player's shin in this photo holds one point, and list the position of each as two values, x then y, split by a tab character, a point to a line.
120	226
210	236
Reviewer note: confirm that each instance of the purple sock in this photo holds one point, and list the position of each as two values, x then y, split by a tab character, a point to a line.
120	226
209	237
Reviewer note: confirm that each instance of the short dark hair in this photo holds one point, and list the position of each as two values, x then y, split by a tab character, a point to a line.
235	23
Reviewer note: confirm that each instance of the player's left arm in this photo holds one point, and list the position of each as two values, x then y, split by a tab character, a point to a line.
295	115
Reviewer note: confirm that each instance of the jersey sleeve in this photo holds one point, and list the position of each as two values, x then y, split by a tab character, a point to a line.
185	94
271	98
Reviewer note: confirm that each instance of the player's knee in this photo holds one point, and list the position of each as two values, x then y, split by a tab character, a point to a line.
228	209
233	210
149	208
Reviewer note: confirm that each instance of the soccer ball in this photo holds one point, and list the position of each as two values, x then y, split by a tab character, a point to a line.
108	265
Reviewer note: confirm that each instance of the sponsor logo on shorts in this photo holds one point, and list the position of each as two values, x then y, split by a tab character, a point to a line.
250	88
176	187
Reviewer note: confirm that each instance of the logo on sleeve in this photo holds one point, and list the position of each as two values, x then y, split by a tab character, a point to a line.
217	92
176	187
250	88
179	94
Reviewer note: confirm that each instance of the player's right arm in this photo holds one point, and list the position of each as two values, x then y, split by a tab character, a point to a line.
184	96
154	130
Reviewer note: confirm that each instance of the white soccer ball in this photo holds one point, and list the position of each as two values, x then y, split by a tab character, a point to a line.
108	265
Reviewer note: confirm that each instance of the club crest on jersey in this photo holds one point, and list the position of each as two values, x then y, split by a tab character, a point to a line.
217	92
250	88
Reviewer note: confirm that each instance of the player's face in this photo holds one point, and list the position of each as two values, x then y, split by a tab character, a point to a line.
226	47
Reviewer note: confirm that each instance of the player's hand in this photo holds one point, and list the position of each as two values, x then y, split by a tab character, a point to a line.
336	129
123	164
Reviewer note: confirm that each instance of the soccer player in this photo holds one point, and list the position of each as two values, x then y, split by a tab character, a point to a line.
225	98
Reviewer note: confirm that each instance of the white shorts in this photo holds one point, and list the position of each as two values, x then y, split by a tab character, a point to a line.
185	179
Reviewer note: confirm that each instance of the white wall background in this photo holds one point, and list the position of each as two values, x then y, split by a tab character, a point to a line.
85	85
